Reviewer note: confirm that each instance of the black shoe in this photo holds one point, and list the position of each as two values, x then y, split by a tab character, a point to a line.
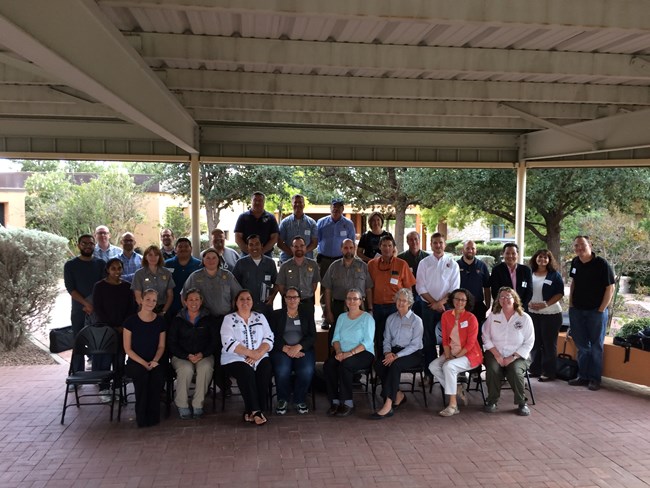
377	416
325	326
578	382
594	385
523	410
544	378
534	375
344	410
397	405
331	412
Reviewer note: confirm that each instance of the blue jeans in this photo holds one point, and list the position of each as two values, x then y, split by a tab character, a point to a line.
304	369
588	332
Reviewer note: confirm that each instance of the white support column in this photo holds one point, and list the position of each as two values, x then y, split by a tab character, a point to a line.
195	204
520	210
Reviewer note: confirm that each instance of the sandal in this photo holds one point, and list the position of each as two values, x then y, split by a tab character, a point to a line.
258	418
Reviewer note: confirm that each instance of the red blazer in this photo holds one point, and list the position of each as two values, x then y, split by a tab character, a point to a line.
468	335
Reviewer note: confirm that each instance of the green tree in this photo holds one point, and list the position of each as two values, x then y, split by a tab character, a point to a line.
223	185
552	195
55	204
40	165
176	220
387	188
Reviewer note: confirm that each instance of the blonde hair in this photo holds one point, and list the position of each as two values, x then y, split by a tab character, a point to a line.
517	301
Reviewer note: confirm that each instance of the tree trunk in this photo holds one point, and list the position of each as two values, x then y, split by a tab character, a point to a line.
400	219
553	229
213	214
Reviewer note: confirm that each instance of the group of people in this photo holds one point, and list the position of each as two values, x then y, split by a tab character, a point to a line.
214	317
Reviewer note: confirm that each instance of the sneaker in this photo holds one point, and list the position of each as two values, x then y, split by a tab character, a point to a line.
302	408
594	385
344	411
523	410
462	394
198	413
184	413
105	396
578	382
490	408
281	407
449	411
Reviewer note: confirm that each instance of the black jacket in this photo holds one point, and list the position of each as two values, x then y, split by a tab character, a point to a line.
278	323
501	277
185	338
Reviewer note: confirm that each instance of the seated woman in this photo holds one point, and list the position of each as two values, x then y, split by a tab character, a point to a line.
353	346
402	350
192	341
247	339
462	350
294	331
144	344
508	338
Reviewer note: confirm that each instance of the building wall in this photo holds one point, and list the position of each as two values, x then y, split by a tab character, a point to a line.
14	207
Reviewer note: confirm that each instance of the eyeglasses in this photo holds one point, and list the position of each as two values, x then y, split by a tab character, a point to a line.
86	243
353	299
506	297
292	297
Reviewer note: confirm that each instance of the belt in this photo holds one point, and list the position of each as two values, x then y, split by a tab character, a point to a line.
330	257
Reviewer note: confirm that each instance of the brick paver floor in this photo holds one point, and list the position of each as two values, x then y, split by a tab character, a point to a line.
574	437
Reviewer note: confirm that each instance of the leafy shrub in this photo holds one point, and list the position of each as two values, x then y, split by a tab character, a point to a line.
31	262
633	326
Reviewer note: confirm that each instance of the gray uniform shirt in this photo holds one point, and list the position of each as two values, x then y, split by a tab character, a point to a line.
257	278
302	277
218	291
340	278
161	281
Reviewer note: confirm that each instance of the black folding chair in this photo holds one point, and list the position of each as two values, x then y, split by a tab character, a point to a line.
91	340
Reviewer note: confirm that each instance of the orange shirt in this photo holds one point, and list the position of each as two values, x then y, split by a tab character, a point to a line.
389	278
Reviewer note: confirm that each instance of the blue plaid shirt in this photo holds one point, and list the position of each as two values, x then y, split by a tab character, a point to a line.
131	265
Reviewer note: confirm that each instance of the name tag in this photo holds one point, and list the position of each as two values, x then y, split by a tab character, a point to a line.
464	324
343	233
524	284
307	232
394	281
548	282
296	322
267	277
573	271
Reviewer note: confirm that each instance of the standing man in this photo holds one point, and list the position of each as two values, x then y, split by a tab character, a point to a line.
183	265
331	232
475	277
592	288
297	224
227	256
389	274
301	272
104	250
413	255
257	221
131	260
511	274
80	275
438	276
344	274
258	273
167	244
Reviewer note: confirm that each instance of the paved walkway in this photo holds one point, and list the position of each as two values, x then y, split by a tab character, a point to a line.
574	437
